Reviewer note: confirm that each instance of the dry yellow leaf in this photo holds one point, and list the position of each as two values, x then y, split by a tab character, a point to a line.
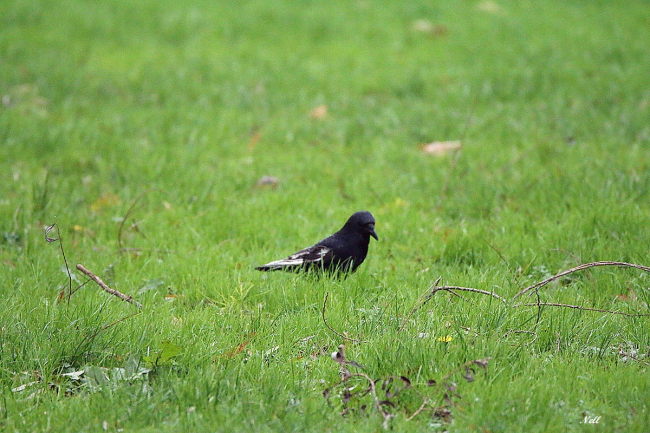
256	135
319	112
439	148
425	26
268	182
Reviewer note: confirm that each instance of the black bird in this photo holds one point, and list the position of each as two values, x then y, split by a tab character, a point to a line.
343	252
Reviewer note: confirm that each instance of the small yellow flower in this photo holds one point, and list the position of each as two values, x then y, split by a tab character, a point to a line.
445	338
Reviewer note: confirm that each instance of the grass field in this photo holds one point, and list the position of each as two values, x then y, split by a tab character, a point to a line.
143	129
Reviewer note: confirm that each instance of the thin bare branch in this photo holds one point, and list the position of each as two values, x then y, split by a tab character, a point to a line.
387	416
451	289
420	409
468	289
103	285
332	329
577	307
579	268
621	352
456	295
482	362
539	309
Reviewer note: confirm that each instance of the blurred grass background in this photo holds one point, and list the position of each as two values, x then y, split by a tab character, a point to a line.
102	101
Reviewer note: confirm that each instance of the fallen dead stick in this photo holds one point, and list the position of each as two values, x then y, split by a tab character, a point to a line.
579	268
103	285
577	307
451	289
467	289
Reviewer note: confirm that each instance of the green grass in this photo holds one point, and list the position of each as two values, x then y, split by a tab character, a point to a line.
102	101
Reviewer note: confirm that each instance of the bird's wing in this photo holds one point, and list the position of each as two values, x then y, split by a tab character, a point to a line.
318	255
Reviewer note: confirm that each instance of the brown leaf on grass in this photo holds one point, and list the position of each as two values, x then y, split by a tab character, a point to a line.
256	135
630	297
439	148
469	374
268	182
236	350
483	362
444	413
240	347
425	26
319	112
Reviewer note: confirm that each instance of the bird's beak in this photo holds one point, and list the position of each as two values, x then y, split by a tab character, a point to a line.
373	233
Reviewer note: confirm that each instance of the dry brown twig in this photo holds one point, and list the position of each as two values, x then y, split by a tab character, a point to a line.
573	256
468	289
577	307
451	289
631	355
332	329
391	393
541	284
578	268
387	416
339	357
480	362
420	409
104	286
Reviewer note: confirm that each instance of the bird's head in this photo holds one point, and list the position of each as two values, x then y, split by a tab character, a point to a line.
362	222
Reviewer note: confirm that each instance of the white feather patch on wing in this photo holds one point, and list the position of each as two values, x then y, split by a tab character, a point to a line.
308	255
